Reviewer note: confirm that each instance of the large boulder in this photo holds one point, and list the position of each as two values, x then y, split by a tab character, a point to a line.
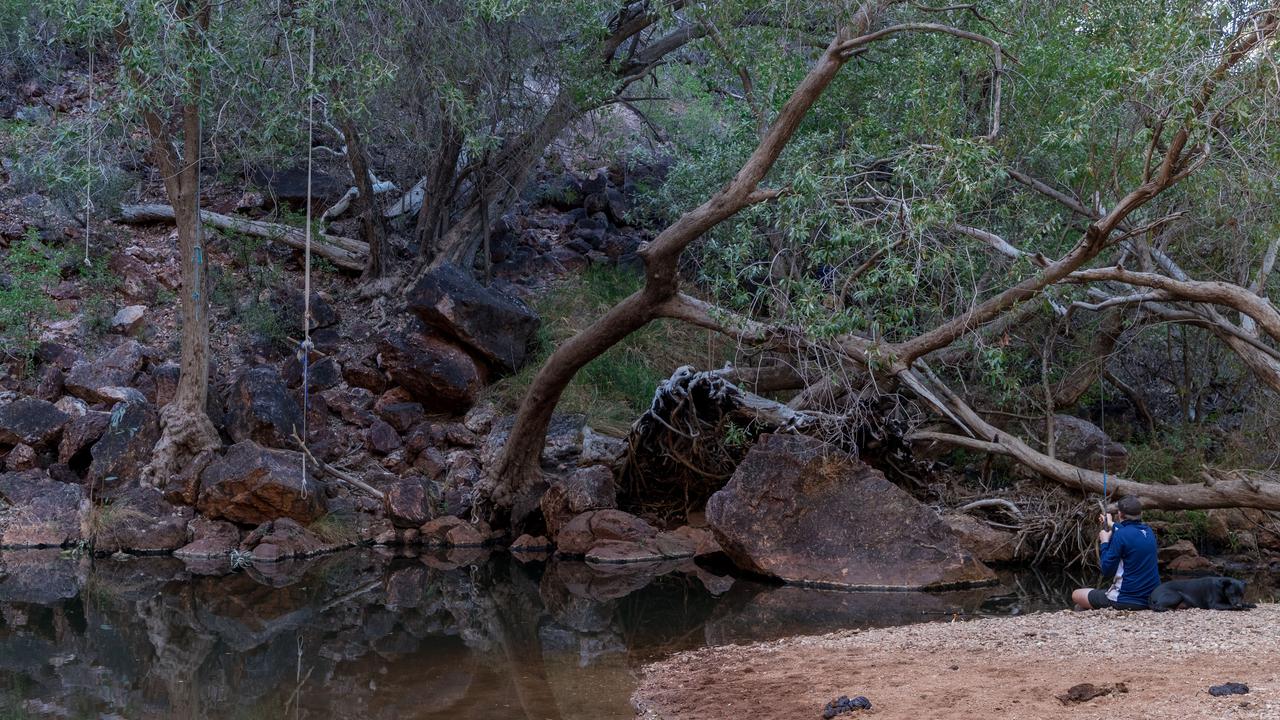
209	539
498	327
805	513
251	484
79	436
282	539
125	447
583	489
98	380
437	373
589	529
987	544
140	520
30	421
38	511
1082	443
408	502
261	409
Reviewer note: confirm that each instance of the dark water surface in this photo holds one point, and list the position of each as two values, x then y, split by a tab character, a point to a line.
372	635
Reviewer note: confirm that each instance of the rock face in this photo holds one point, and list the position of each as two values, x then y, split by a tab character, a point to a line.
583	489
437	373
987	544
38	511
30	421
1082	443
494	325
87	380
800	512
251	485
140	520
125	446
262	410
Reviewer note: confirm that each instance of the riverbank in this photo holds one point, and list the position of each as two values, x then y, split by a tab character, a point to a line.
1001	667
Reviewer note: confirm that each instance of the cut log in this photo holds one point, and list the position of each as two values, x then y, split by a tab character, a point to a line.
344	252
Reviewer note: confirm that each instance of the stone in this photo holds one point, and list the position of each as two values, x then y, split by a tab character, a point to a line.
262	409
585	531
21	457
1082	443
805	513
137	277
41	512
57	355
51	384
987	544
397	408
431	463
435	372
381	438
284	538
1178	549
437	530
479	419
601	449
209	538
165	376
116	369
583	489
323	372
78	437
112	394
140	520
498	327
408	502
663	548
464	536
73	407
1182	558
125	448
563	447
184	487
37	423
702	540
531	544
353	404
129	320
289	302
251	484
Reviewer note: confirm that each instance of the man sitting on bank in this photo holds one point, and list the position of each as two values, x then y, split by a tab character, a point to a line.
1127	550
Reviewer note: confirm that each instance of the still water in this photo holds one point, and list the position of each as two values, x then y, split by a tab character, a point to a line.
375	635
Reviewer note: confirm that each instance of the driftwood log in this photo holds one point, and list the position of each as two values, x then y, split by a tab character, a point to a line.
344	252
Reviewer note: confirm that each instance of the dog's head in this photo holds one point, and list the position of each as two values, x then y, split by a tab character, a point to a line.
1232	591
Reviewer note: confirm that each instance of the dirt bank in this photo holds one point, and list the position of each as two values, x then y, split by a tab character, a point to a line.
1004	667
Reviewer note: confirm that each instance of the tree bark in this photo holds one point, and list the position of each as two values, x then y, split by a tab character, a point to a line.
366	204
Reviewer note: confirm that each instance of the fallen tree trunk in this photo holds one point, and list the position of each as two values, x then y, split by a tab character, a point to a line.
344	252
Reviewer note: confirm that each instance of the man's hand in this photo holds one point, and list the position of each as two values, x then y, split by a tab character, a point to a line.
1104	535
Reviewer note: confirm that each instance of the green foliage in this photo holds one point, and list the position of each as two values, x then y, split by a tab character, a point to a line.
1190	525
27	272
335	529
1176	455
616	387
248	294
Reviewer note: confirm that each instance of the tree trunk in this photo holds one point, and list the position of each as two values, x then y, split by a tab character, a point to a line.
366	205
185	427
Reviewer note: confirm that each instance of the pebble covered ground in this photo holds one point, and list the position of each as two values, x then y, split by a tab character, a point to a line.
1013	667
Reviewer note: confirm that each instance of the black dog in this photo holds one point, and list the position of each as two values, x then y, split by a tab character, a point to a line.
1206	593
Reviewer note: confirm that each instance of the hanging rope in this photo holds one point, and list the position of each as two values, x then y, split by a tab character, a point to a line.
305	349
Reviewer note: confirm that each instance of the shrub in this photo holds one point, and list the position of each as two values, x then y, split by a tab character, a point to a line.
26	274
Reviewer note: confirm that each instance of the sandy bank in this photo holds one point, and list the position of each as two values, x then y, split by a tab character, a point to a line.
994	668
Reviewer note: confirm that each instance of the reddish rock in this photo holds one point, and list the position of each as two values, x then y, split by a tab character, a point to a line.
80	434
623	552
1082	443
21	457
353	404
210	538
582	489
583	532
987	544
381	438
397	408
498	327
435	531
184	488
1191	565
464	536
125	447
251	484
408	503
702	540
140	520
803	512
528	543
284	538
437	373
37	511
114	370
28	420
51	384
165	376
431	463
261	409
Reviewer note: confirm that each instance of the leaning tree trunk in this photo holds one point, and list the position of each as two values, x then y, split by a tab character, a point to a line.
519	464
365	203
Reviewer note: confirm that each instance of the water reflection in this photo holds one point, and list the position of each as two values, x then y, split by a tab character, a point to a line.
371	635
